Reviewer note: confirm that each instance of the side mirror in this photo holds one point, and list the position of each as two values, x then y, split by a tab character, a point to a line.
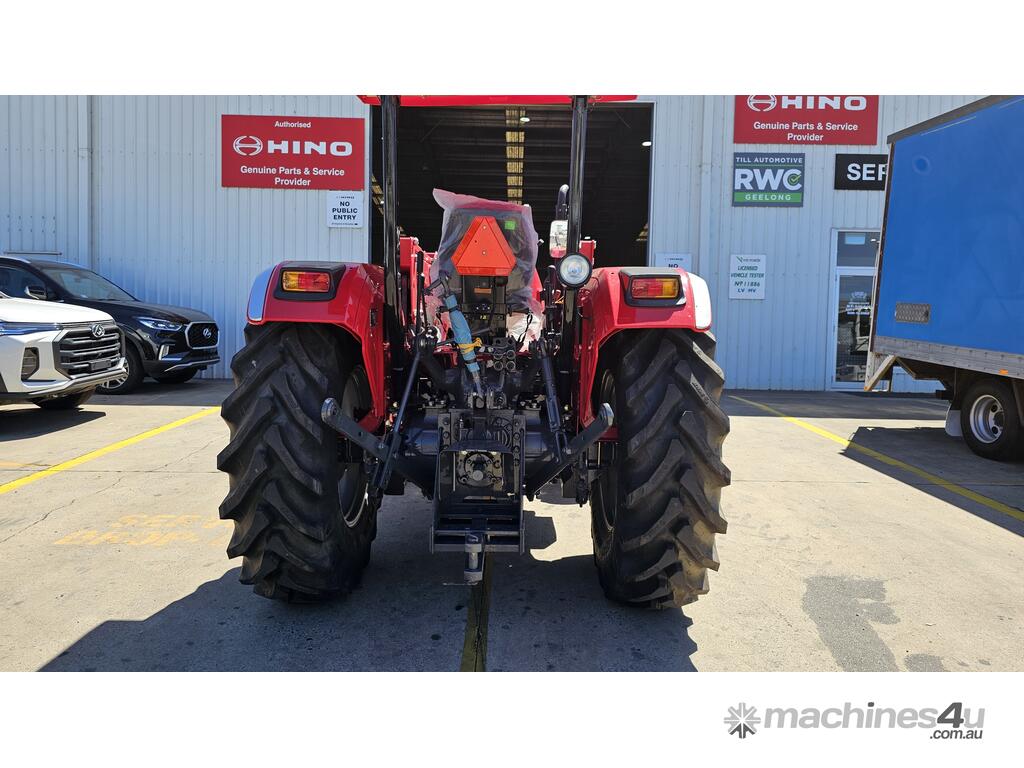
558	238
35	292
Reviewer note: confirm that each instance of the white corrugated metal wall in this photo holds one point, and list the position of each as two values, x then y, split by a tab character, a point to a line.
44	175
164	227
155	219
781	342
161	225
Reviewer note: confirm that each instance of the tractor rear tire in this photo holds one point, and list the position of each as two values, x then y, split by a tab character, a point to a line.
655	510
303	522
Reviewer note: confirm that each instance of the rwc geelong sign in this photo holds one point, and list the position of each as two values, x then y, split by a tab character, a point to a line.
805	120
768	179
271	152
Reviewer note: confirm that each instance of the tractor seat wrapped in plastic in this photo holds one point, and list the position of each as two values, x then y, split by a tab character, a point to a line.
515	223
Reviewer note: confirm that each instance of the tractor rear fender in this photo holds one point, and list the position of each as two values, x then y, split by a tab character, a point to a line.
606	311
354	302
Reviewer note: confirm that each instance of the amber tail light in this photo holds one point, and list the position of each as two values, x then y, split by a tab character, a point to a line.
301	281
648	288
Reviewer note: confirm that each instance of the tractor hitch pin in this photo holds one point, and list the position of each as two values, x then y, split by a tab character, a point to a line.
474	570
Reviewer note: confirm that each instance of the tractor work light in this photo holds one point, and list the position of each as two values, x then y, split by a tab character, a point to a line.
654	288
302	281
574	270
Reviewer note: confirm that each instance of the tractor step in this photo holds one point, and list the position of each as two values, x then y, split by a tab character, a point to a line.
495	533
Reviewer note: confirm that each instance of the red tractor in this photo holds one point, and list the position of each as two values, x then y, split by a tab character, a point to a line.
468	375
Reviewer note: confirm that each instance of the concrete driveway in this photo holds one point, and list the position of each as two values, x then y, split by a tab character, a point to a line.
900	551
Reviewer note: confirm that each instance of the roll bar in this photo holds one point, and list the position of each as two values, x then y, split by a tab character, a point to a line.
389	124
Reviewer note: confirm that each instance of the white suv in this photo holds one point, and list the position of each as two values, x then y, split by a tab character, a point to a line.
55	355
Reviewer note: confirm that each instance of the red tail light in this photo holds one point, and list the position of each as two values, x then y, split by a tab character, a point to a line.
298	281
647	288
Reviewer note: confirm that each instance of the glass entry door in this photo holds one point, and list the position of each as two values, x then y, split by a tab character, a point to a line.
853	327
854	253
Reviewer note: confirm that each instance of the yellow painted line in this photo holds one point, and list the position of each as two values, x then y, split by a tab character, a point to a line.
959	490
78	460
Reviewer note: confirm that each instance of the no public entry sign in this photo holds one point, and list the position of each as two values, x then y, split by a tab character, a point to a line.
273	152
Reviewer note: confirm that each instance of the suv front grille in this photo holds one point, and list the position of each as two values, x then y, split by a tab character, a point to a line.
81	351
200	335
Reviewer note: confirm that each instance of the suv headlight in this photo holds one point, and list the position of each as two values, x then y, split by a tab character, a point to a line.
159	325
17	329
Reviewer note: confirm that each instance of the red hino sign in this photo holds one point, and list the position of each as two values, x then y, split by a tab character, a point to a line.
806	120
292	152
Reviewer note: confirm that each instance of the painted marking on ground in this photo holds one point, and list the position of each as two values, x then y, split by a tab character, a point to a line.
959	490
474	647
77	461
141	530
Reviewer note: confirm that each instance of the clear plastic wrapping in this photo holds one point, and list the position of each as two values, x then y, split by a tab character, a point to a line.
516	224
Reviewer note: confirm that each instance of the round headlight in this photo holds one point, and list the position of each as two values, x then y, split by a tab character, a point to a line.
574	270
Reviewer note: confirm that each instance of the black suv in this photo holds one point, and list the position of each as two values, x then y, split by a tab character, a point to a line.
171	344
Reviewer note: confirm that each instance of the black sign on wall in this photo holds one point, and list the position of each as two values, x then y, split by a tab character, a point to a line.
861	171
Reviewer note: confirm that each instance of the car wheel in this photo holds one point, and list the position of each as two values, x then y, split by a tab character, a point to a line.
132	378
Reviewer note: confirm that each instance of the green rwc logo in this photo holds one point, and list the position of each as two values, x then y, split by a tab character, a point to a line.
768	179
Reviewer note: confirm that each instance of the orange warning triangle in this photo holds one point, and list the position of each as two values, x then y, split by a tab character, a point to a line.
484	250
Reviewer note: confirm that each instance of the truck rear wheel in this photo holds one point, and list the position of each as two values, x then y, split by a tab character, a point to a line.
989	420
655	510
303	523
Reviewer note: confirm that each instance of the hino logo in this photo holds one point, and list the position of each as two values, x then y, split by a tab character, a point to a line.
251	145
248	145
768	103
761	103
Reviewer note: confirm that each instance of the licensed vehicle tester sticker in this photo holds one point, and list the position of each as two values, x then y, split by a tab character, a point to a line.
288	152
768	179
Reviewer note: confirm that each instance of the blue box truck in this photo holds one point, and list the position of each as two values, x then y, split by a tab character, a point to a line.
949	291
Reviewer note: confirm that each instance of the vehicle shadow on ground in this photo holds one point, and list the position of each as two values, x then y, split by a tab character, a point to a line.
21	422
406	616
932	450
551	615
401	617
198	392
224	626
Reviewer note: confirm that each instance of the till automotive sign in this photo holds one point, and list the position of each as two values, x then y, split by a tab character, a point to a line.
292	152
768	179
806	120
